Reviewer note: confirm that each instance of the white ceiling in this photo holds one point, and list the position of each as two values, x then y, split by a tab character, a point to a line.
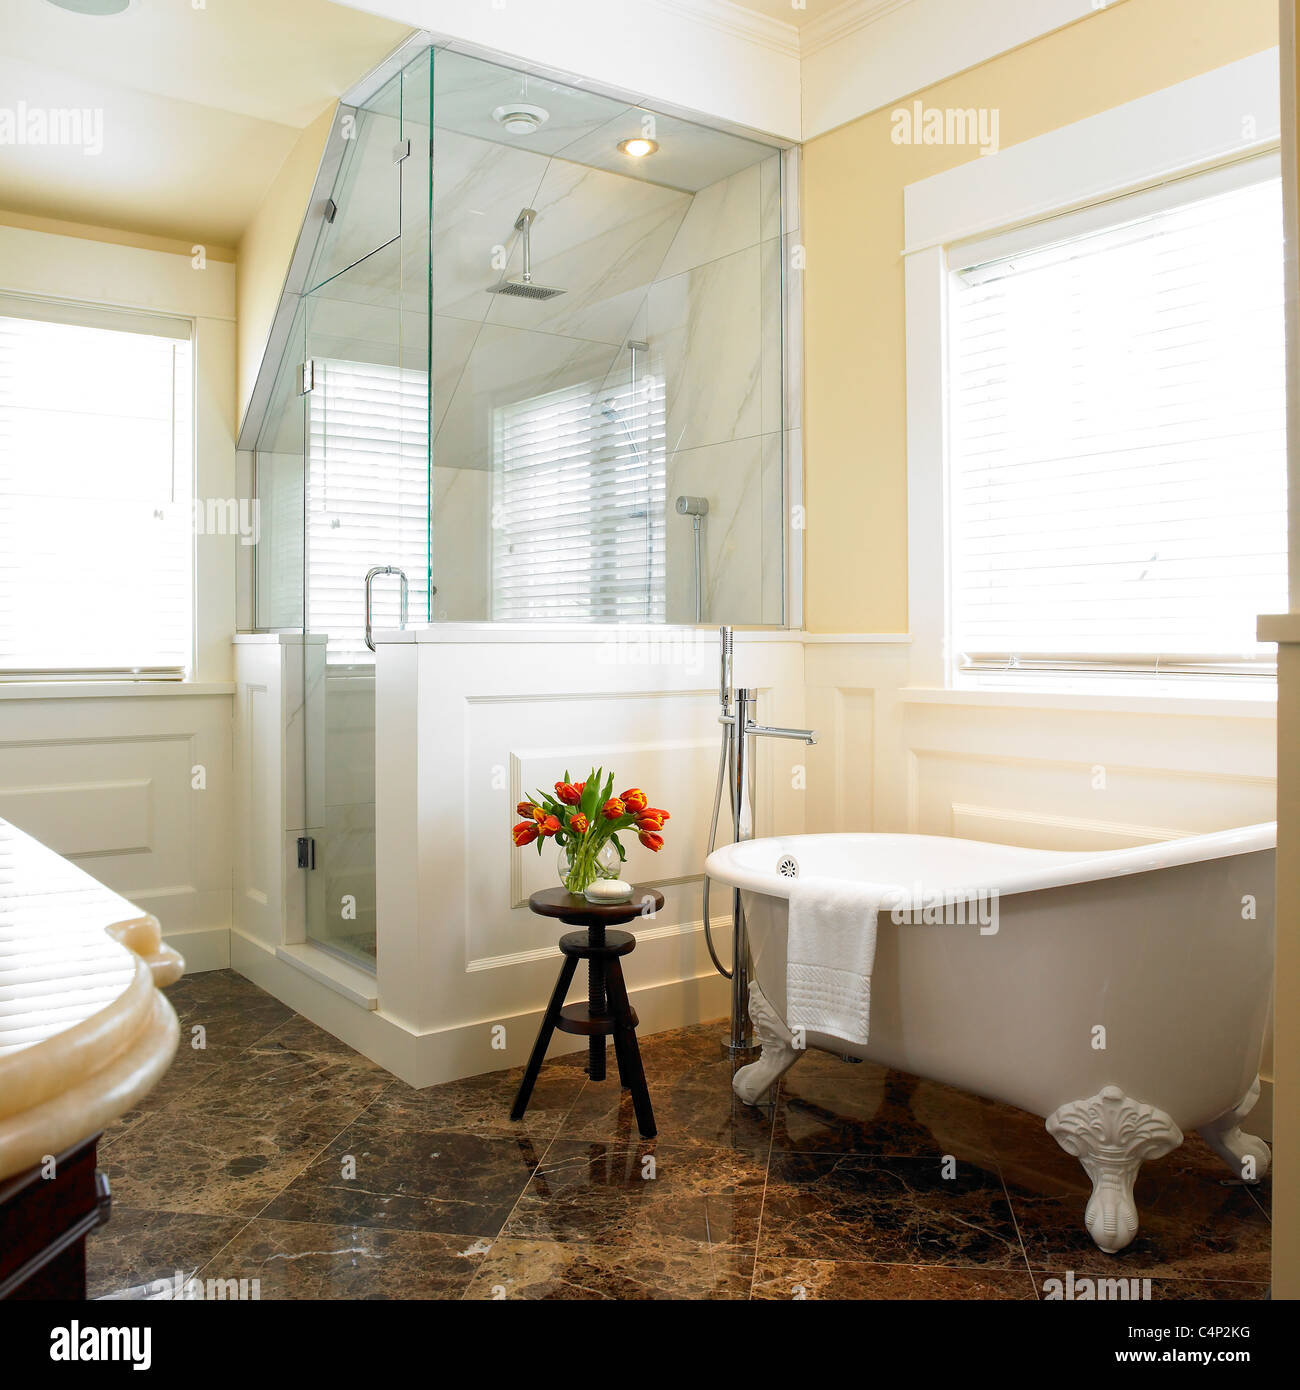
200	105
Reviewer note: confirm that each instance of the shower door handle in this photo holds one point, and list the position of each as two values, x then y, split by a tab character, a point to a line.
406	592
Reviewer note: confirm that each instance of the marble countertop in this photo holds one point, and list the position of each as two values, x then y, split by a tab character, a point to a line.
84	1031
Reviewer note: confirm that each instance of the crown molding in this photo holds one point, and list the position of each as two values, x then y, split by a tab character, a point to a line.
739	22
845	19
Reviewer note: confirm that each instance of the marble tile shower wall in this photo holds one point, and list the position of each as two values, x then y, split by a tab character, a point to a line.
697	277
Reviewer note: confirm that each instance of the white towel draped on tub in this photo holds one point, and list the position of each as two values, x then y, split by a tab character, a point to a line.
830	950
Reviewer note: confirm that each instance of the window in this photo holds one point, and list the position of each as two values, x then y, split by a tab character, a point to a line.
578	505
367	500
96	478
1117	442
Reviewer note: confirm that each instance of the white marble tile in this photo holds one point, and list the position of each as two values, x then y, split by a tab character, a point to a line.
479	189
705	334
600	238
722	219
773	527
769	198
773	382
729	475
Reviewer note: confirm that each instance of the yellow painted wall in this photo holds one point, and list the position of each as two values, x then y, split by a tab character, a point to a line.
855	438
265	249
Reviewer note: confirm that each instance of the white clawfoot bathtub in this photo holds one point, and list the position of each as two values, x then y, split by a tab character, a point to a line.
1124	995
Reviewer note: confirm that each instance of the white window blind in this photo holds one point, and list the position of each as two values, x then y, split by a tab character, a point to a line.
578	505
1117	437
96	470
367	500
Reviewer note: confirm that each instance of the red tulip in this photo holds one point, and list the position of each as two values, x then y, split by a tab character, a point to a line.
655	811
527	810
635	800
578	823
650	840
579	786
524	833
548	827
612	809
568	793
650	820
539	814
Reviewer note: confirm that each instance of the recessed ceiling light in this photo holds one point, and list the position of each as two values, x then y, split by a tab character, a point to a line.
102	7
520	118
638	148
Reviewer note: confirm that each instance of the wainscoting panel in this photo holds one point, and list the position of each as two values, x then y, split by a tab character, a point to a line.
137	790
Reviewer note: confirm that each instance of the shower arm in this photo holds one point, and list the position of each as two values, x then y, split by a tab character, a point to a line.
523	226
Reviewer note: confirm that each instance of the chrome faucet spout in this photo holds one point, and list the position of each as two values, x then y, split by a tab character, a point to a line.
808	736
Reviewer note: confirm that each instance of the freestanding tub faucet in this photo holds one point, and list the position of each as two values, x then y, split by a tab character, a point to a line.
735	768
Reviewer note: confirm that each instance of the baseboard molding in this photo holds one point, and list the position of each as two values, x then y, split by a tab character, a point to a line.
204	948
426	1059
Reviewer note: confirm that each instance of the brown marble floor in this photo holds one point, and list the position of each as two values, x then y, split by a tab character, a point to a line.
273	1152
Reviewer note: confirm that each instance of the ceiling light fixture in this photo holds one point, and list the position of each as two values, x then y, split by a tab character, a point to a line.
639	147
520	118
95	7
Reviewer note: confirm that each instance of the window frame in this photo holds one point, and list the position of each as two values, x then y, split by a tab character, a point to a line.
1074	170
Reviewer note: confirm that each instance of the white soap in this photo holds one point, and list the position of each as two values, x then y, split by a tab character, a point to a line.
609	890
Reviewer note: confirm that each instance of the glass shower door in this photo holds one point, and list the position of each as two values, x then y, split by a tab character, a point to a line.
366	490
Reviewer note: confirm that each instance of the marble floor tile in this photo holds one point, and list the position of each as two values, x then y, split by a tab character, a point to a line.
481	1104
524	1268
854	1280
306	1260
634	1195
443	1181
886	1211
1195	1223
1161	1290
827	1105
139	1251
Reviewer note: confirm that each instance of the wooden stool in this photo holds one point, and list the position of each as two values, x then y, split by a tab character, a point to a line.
607	1010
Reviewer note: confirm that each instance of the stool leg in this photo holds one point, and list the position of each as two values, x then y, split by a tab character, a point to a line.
596	1007
544	1033
629	1054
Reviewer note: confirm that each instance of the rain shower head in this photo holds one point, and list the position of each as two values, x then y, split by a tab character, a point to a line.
524	286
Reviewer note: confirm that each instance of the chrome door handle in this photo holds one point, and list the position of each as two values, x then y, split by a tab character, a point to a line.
406	593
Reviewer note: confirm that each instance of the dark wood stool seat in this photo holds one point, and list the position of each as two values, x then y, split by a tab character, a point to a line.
607	1012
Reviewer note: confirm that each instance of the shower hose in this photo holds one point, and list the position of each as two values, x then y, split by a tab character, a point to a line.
724	767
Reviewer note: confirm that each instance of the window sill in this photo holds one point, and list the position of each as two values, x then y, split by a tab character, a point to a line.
101	690
1155	697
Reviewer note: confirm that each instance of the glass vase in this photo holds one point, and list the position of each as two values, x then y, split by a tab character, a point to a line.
579	865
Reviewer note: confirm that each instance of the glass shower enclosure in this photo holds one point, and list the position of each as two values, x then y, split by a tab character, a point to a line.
535	375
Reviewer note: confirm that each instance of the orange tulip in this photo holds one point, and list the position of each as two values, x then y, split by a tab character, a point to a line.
612	809
578	823
539	814
527	810
524	833
650	820
635	800
568	793
548	827
655	811
650	840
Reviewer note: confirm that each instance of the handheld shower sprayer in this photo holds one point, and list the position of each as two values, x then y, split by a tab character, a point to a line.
697	508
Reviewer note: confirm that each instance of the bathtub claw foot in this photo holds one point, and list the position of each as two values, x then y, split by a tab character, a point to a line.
1246	1154
753	1082
1111	1134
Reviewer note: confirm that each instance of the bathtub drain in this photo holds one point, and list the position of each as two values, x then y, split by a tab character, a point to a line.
788	866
